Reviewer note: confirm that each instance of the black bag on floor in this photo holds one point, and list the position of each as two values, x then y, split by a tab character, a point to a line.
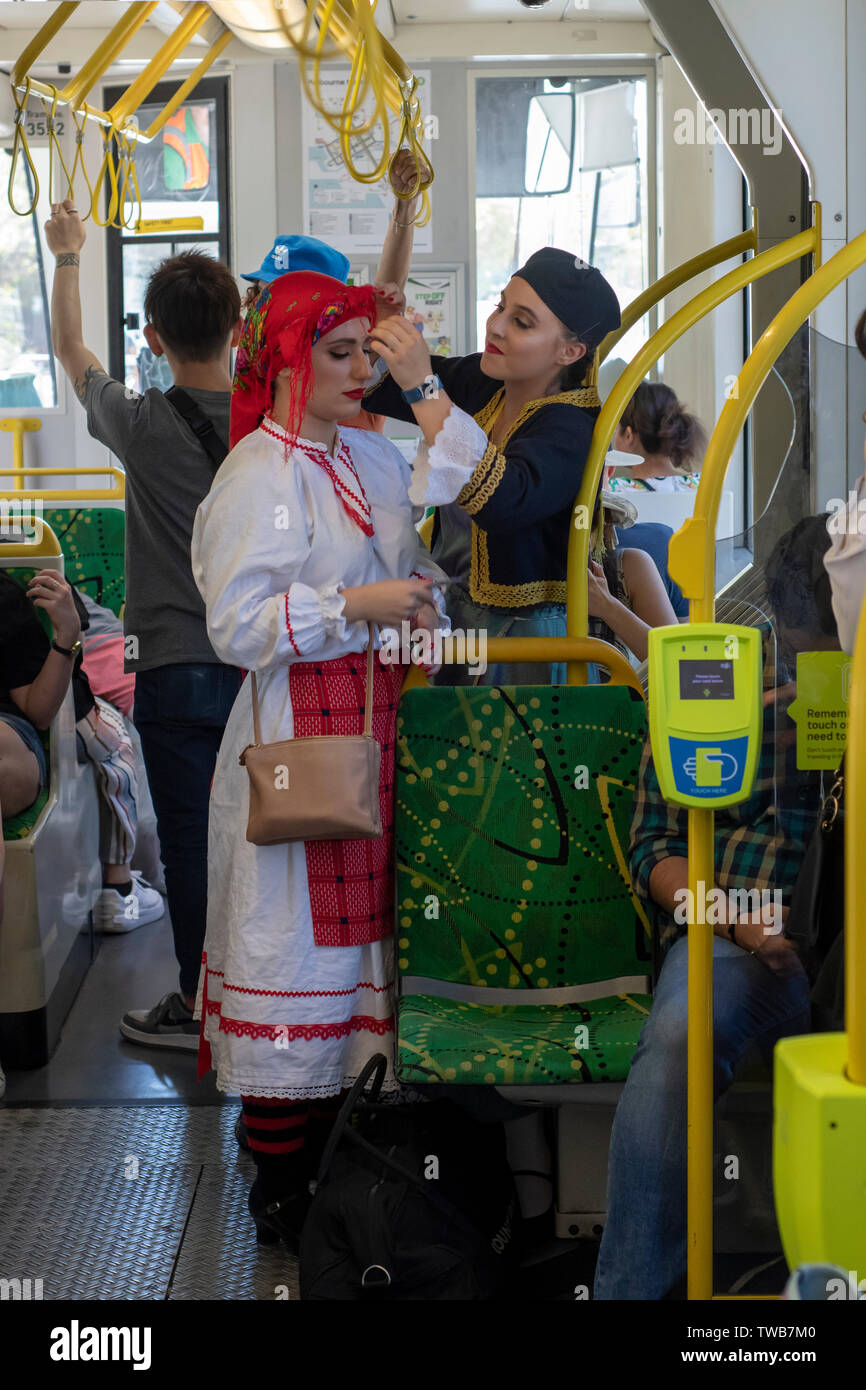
412	1202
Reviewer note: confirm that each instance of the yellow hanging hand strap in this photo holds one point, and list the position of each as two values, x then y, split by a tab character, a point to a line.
79	157
54	144
126	143
411	133
19	146
106	170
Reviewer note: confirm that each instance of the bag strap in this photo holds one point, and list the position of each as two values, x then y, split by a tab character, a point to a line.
375	1068
198	422
368	701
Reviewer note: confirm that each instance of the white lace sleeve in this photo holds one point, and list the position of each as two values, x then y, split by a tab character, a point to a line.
442	470
845	563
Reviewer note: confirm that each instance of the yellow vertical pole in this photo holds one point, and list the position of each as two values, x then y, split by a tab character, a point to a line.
699	1144
18	426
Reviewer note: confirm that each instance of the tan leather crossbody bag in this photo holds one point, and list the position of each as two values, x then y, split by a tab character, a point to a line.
321	788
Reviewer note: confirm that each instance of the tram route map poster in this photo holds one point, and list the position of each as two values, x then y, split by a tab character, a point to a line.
353	217
431	304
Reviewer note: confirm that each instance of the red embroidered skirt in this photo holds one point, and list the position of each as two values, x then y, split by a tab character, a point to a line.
351	881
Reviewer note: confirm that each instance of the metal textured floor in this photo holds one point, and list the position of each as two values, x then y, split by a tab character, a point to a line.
132	1202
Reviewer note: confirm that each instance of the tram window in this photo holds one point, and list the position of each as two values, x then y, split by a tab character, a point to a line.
26	361
182	172
562	161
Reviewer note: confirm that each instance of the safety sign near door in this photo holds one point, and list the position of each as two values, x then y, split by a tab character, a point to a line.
705	712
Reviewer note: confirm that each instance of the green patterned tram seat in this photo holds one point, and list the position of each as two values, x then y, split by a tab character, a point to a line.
92	539
523	956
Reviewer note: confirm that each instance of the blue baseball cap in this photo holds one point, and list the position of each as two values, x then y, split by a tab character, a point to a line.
300	253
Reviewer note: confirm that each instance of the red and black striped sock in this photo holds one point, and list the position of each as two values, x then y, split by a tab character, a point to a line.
277	1130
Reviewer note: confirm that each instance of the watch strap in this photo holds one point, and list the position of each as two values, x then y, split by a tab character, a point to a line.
427	391
67	651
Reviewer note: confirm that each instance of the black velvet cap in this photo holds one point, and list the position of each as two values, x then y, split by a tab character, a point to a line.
576	292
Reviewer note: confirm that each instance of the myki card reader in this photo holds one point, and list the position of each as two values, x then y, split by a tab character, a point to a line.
705	712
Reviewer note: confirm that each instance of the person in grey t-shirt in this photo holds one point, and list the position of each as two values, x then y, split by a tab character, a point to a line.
183	694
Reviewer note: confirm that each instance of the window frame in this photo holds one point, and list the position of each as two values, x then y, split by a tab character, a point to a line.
570	67
46	277
215	88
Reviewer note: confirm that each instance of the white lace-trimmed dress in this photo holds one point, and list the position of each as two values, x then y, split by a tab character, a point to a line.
276	539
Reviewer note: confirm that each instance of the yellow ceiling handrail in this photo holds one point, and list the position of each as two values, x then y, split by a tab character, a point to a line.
41	40
184	90
143	85
660	289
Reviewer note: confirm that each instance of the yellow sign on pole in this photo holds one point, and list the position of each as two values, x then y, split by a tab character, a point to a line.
147	227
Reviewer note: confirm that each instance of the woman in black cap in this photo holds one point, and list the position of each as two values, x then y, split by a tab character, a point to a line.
506	435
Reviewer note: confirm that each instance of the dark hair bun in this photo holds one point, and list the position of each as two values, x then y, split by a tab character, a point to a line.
664	426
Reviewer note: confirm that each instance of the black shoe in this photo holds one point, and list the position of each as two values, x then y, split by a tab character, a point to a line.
280	1220
241	1133
169	1024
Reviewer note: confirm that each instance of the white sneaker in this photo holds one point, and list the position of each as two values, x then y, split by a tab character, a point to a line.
114	913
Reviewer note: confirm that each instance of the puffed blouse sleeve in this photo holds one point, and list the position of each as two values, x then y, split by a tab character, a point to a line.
251	537
537	474
845	563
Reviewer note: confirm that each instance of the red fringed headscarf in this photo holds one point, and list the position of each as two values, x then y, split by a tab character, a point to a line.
287	319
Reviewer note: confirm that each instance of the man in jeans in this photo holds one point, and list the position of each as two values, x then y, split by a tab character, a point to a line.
760	990
183	693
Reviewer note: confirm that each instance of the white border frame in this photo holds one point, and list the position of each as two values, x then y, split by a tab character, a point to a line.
457	270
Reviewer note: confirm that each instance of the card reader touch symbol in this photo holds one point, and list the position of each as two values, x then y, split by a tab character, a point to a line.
710	767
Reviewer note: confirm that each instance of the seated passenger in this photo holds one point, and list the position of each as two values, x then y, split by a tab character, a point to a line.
655	538
760	990
103	656
670	441
626	594
296	990
34	678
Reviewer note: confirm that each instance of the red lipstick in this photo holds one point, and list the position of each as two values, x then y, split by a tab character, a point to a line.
355	395
497	352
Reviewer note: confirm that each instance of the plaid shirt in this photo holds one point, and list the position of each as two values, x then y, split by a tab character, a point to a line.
759	843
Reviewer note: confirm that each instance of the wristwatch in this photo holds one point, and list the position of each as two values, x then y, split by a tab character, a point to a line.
427	391
67	651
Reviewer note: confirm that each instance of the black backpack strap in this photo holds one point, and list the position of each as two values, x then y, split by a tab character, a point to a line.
198	422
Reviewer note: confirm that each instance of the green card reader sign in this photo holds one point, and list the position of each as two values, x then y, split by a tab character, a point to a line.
820	709
705	711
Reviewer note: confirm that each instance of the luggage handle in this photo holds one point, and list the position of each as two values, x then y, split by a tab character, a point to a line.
375	1068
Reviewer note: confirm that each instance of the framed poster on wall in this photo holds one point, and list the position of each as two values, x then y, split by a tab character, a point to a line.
434	303
353	217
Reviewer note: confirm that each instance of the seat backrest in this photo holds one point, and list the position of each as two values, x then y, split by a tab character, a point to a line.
513	808
92	539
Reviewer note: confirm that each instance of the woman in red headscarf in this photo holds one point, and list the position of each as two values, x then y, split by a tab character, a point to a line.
305	536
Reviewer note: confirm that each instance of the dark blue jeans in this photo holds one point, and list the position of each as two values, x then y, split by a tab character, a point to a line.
180	713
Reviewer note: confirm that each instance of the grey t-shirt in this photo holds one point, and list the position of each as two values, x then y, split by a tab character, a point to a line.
168	474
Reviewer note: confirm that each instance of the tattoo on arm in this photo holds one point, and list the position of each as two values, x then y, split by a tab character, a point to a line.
81	383
69	258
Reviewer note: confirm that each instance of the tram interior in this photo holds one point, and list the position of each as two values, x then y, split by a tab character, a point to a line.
641	135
